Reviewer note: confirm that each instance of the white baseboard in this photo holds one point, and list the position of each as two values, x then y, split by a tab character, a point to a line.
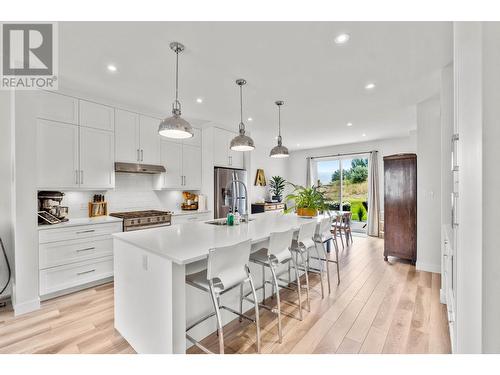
442	296
435	268
26	307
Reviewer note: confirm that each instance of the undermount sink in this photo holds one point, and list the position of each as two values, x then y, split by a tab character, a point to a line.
220	222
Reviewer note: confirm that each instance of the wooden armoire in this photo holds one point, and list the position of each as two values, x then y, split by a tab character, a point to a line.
400	206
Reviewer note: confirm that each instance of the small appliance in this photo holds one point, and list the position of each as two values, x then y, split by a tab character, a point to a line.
190	202
50	210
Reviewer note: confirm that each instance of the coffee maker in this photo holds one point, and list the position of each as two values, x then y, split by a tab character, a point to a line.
50	210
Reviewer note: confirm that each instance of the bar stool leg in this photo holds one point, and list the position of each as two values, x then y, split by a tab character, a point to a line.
275	282
263	284
306	269
338	265
256	306
219	319
320	269
241	302
295	267
325	253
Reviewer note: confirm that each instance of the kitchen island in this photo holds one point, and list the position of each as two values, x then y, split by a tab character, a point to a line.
152	302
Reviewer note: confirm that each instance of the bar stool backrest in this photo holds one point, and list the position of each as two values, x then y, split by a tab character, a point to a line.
306	234
279	245
347	217
323	229
228	264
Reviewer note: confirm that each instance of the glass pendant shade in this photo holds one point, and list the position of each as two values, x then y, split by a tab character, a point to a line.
175	126
241	142
279	151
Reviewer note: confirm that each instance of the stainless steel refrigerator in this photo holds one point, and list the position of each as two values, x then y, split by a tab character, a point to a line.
224	194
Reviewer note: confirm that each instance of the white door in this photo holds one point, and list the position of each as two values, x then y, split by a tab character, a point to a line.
96	158
221	147
191	167
57	155
171	159
127	147
149	140
97	116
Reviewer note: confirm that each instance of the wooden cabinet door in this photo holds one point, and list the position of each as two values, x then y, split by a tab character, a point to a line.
57	107
97	116
171	159
96	159
191	167
149	140
127	147
57	155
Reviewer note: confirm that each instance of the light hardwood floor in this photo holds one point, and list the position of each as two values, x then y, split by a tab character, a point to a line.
379	307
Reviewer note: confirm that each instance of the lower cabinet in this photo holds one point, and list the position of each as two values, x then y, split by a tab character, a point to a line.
73	257
189	218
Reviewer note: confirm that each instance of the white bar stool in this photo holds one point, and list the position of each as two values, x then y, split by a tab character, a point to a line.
322	235
301	247
276	254
227	269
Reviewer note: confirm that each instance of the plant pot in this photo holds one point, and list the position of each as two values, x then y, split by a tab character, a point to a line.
277	198
309	212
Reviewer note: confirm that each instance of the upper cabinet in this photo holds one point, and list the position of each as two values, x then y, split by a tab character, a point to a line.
127	148
223	155
195	140
96	159
149	140
97	116
56	107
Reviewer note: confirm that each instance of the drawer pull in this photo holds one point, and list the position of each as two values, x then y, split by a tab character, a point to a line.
85	272
86	231
86	249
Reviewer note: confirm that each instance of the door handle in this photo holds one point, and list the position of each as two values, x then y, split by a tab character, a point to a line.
84	272
86	231
138	155
86	249
142	155
76	176
81	177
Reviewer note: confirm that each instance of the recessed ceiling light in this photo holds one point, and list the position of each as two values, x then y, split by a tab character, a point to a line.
112	68
349	124
298	144
199	100
369	86
342	38
250	119
363	135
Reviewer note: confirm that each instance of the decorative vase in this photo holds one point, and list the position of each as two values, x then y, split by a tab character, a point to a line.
309	212
277	198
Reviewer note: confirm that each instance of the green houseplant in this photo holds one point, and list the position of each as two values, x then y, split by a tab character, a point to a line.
277	186
307	200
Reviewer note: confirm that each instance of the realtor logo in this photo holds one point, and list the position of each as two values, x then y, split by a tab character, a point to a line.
29	59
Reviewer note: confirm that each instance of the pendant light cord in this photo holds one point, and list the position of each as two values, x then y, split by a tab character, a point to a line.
241	104
177	78
279	121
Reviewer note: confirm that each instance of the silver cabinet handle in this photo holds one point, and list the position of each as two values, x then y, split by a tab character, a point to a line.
454	222
142	155
85	272
454	151
86	231
81	177
86	249
76	176
138	155
184	180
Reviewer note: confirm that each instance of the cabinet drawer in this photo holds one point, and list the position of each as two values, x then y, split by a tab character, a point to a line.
64	252
71	275
82	231
57	107
97	116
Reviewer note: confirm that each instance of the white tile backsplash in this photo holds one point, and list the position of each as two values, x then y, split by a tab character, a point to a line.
132	192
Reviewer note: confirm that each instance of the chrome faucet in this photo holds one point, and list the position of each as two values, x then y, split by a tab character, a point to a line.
244	217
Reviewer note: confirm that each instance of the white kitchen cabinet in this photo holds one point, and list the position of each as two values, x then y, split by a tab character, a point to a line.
127	147
149	140
171	159
96	159
223	155
189	218
57	155
195	140
191	167
57	107
97	116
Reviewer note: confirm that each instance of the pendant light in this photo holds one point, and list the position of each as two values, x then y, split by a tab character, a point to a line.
279	151
175	126
242	142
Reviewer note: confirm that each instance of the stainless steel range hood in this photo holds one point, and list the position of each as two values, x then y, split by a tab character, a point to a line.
139	168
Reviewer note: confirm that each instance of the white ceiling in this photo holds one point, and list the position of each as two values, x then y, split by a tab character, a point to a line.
321	83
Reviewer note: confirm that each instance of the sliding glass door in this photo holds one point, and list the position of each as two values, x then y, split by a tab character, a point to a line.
344	179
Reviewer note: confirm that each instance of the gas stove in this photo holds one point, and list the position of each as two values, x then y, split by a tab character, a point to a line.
135	220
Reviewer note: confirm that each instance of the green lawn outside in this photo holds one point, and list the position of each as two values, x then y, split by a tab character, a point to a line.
355	204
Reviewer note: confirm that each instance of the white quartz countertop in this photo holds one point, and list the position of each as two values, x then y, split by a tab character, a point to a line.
187	243
188	212
81	221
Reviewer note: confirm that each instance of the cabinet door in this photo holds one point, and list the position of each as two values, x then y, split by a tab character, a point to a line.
57	155
57	107
195	140
191	167
171	159
149	140
221	147
97	116
96	159
236	157
127	137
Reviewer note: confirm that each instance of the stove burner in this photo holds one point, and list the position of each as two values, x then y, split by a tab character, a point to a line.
135	220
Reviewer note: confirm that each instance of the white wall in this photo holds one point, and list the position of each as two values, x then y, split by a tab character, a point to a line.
297	166
429	185
6	227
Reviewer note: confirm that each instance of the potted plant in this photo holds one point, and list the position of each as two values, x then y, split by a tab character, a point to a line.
277	186
307	201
